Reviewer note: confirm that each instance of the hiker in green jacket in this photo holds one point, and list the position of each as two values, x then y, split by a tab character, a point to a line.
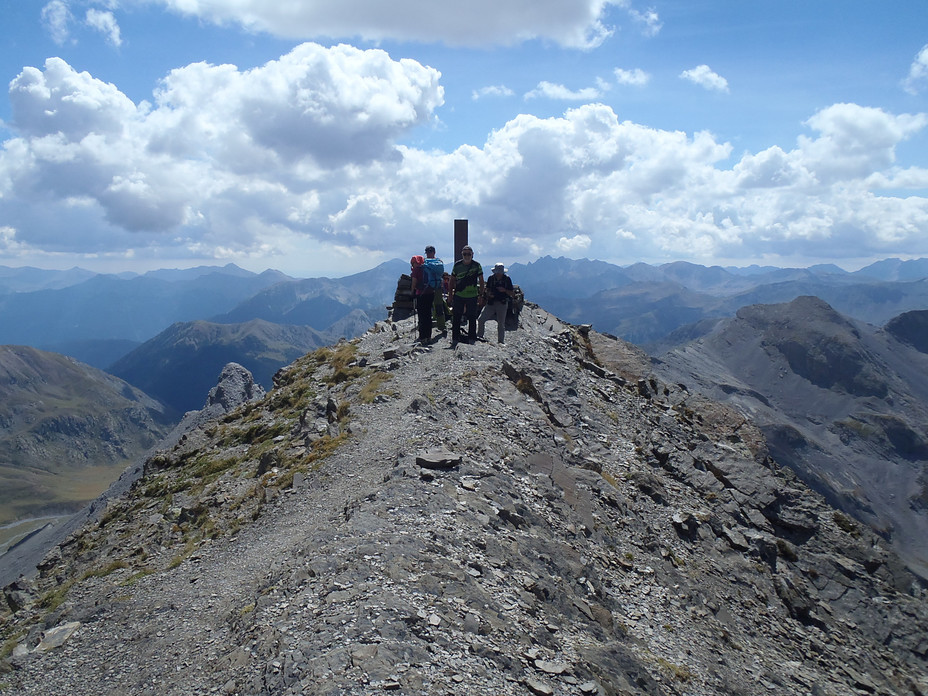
466	286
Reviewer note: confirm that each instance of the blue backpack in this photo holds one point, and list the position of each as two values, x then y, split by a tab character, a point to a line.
433	273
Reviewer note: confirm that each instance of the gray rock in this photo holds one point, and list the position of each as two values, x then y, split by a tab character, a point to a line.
56	637
438	459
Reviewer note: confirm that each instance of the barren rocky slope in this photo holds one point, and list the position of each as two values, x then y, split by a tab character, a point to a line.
844	404
527	518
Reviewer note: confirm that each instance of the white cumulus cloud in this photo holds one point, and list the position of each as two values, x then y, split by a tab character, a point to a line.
220	150
492	91
299	158
704	76
917	78
576	244
855	141
572	23
649	20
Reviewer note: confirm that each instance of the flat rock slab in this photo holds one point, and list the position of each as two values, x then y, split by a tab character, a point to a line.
438	459
57	636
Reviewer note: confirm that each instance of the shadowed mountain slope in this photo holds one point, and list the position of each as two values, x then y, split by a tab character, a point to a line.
180	365
33	541
494	519
66	431
843	403
911	328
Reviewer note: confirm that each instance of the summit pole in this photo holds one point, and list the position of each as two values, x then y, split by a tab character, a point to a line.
460	237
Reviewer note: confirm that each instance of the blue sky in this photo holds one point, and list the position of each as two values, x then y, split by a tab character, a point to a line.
322	138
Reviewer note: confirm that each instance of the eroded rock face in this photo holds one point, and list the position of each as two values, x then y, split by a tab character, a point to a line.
486	520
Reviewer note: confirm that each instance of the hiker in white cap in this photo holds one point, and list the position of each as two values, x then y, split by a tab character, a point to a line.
498	293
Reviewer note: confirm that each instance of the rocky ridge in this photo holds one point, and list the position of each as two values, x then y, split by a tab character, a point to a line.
535	517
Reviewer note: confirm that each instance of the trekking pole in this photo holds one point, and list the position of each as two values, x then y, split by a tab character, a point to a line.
415	316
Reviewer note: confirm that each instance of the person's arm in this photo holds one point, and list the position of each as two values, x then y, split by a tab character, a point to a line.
452	284
480	283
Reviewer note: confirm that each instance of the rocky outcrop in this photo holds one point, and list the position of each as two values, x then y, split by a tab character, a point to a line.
494	519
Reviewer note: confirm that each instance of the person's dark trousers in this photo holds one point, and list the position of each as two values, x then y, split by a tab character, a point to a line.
464	306
424	310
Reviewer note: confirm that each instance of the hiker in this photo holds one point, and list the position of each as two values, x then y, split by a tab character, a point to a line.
434	273
422	292
499	292
445	289
465	286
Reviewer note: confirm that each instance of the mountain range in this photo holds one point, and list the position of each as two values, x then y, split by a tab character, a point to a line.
694	320
98	319
646	305
540	517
